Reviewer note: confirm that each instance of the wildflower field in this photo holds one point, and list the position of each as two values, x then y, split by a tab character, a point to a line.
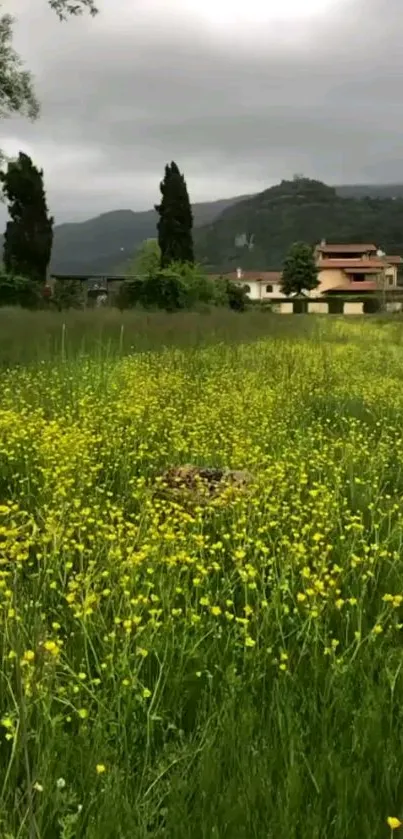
229	670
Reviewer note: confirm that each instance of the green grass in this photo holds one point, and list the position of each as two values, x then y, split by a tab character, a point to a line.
236	670
28	337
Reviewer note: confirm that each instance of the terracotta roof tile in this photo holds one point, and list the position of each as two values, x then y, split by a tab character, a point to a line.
393	260
339	248
359	270
365	285
256	276
374	262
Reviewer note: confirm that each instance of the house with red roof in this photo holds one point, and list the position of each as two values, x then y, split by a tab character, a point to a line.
260	285
342	269
355	268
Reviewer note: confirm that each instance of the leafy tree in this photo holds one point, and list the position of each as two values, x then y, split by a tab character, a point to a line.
145	264
16	84
200	288
16	90
146	260
64	8
299	269
175	221
29	234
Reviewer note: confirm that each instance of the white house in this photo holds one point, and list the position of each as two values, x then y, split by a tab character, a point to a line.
261	285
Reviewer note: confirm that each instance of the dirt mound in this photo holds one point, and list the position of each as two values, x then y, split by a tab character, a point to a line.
202	483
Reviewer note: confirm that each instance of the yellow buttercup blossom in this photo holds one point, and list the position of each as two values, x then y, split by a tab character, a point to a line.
51	647
28	656
394	823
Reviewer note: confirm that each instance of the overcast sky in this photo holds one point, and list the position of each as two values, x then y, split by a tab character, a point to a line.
239	94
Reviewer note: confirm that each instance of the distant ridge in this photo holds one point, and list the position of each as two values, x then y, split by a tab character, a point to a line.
300	210
103	243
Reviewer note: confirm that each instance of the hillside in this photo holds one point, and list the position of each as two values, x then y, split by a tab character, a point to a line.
105	242
276	217
297	210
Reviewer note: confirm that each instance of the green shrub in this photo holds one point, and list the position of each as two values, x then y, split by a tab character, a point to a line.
237	296
166	290
180	286
336	305
19	291
68	294
200	288
128	295
372	305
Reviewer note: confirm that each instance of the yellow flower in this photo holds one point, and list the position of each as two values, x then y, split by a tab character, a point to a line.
51	647
29	655
100	768
83	713
394	823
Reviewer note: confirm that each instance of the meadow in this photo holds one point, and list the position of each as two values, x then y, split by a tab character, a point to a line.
188	671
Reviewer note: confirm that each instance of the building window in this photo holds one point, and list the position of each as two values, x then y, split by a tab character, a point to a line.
269	289
391	281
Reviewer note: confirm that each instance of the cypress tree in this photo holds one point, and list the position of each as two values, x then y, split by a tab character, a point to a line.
29	235
175	221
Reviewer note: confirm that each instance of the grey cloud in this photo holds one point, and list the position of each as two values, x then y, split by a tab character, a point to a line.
126	92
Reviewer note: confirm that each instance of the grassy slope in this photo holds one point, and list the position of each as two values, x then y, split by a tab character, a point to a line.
236	672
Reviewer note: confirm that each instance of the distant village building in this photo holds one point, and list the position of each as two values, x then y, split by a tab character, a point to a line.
342	269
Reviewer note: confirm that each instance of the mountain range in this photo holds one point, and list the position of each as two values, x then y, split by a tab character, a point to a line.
254	231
